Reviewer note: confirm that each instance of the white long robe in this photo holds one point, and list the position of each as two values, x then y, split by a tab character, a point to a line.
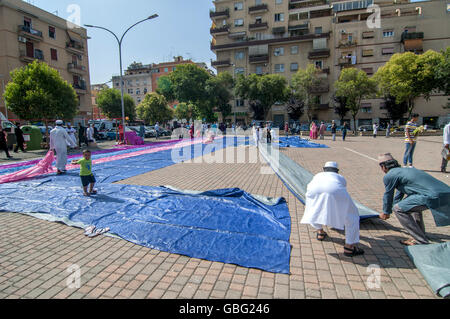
59	139
71	131
328	203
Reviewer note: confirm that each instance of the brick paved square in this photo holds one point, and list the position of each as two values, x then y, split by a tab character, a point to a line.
35	266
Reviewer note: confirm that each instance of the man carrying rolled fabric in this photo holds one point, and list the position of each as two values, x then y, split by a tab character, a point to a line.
422	192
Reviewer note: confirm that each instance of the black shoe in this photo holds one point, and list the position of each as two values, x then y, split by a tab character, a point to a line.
353	252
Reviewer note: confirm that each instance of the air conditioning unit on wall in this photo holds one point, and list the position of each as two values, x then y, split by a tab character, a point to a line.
22	39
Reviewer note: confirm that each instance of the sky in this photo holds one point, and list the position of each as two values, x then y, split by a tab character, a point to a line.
182	28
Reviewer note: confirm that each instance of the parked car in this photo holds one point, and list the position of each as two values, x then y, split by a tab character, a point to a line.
150	131
365	128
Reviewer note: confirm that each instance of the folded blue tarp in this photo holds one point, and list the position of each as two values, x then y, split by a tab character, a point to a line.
295	141
227	225
433	261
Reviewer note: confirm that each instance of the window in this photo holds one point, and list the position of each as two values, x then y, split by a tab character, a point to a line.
279	17
54	54
258	2
52	32
138	91
27	22
258	20
318	30
294	49
238	6
318	64
240	55
166	70
278	51
279	68
239	103
294	66
368	52
385	51
238	22
259	70
388	33
239	71
278	1
139	100
145	91
130	91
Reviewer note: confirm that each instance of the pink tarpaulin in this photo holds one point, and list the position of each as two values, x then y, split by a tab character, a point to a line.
133	139
43	167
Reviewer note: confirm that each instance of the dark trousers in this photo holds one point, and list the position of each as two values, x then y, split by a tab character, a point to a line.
412	221
19	145
4	147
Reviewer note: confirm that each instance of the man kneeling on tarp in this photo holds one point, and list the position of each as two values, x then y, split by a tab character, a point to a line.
422	191
328	203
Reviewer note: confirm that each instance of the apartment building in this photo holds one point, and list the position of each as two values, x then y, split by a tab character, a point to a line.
140	79
28	33
281	36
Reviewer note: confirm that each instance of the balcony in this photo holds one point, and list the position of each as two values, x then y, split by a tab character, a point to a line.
220	30
413	41
368	34
222	63
30	33
80	87
278	30
219	14
37	55
323	106
258	9
262	58
269	39
297	4
320	88
75	68
347	44
258	26
320	53
75	47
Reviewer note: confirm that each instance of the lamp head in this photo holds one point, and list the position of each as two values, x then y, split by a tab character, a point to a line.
153	16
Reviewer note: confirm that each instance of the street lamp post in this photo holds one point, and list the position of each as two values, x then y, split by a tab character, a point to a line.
119	41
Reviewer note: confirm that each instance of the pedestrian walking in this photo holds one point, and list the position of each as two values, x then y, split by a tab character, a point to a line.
59	139
410	140
333	130
375	130
446	150
344	131
322	130
388	130
19	139
3	142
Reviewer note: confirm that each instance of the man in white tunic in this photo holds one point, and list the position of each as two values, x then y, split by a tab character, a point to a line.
59	139
329	204
71	131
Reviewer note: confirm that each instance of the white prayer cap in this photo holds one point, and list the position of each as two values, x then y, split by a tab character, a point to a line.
331	165
59	122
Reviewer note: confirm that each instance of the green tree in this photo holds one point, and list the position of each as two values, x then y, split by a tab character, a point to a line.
188	84
185	111
109	101
219	90
407	76
355	85
262	92
340	107
442	74
303	83
38	91
154	108
396	111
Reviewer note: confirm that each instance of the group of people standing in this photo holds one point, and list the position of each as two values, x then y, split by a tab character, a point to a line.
20	141
318	131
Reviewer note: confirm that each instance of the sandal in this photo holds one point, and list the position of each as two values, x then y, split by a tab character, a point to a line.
353	252
408	242
321	236
94	192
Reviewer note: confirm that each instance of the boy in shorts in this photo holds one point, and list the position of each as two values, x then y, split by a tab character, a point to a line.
87	178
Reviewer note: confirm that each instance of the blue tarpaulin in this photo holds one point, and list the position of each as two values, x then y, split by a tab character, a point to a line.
433	261
228	225
295	141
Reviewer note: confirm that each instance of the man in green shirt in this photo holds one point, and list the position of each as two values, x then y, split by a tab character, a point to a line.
87	178
422	192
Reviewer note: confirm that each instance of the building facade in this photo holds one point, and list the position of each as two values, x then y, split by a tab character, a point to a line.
283	36
28	33
140	79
